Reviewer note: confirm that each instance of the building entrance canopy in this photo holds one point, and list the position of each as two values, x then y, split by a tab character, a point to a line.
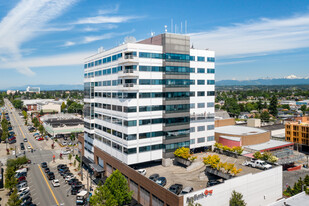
96	168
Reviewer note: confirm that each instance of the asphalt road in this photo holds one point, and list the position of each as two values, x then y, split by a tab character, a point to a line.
41	189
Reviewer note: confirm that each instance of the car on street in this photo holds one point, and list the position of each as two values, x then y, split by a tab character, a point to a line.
51	176
43	164
56	183
142	171
64	143
176	188
154	177
161	181
28	147
25	140
36	134
46	170
22	146
186	190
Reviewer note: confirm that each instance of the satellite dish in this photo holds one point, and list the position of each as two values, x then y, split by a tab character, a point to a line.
129	39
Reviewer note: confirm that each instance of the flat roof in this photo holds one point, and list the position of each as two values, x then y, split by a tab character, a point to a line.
296	200
193	176
239	130
231	138
268	145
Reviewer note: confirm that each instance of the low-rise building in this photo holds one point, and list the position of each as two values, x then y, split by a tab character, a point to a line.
62	124
33	89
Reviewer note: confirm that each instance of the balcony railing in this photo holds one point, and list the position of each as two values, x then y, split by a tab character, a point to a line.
128	85
126	71
128	56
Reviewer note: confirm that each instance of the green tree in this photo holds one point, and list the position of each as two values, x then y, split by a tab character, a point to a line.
18	104
102	196
10	180
265	116
115	191
5	132
232	107
41	113
191	203
14	199
286	106
259	105
273	106
63	106
24	113
303	108
236	199
41	129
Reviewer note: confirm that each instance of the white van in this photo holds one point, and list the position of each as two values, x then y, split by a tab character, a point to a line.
21	170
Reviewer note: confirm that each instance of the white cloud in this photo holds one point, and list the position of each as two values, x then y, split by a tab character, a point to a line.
22	24
69	43
105	19
109	11
255	38
101	27
234	62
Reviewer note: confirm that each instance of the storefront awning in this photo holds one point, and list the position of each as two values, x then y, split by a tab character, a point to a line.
96	168
86	161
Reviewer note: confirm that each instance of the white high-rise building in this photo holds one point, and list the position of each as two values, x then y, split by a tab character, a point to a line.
144	100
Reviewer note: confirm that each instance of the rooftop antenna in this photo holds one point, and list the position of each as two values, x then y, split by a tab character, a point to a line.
165	29
181	27
172	25
152	34
185	26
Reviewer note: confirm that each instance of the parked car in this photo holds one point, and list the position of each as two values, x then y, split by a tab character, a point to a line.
22	185
12	141
176	188
71	181
40	139
21	174
63	172
24	194
36	134
76	188
43	164
46	170
26	198
257	164
67	178
64	143
142	171
212	183
60	166
20	190
154	177
11	133
69	175
65	152
22	178
161	181
186	190
51	176
56	183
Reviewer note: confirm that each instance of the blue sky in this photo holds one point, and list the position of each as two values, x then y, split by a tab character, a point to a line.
44	42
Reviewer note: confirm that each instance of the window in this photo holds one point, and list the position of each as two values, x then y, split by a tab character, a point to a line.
192	82
210	82
201	82
177	57
201	140
210	104
210	59
129	137
192	105
211	93
192	141
210	71
192	129
200	128
192	58
129	151
210	138
192	94
210	127
192	70
200	94
201	59
145	149
201	105
130	123
200	70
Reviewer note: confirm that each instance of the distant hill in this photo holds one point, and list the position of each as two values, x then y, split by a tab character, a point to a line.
280	81
51	87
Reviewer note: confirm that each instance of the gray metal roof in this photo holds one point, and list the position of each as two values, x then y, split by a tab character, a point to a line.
296	200
239	130
266	145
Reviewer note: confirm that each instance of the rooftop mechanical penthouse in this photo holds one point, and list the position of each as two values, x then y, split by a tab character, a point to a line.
144	100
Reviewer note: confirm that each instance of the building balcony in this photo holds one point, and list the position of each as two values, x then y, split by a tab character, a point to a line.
128	87
128	59
127	73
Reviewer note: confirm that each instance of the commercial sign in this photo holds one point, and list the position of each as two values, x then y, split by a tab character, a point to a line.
199	196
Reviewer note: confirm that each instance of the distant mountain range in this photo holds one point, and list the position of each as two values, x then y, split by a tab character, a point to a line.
289	80
50	87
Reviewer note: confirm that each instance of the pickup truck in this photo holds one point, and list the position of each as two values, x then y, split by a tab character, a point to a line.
257	164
